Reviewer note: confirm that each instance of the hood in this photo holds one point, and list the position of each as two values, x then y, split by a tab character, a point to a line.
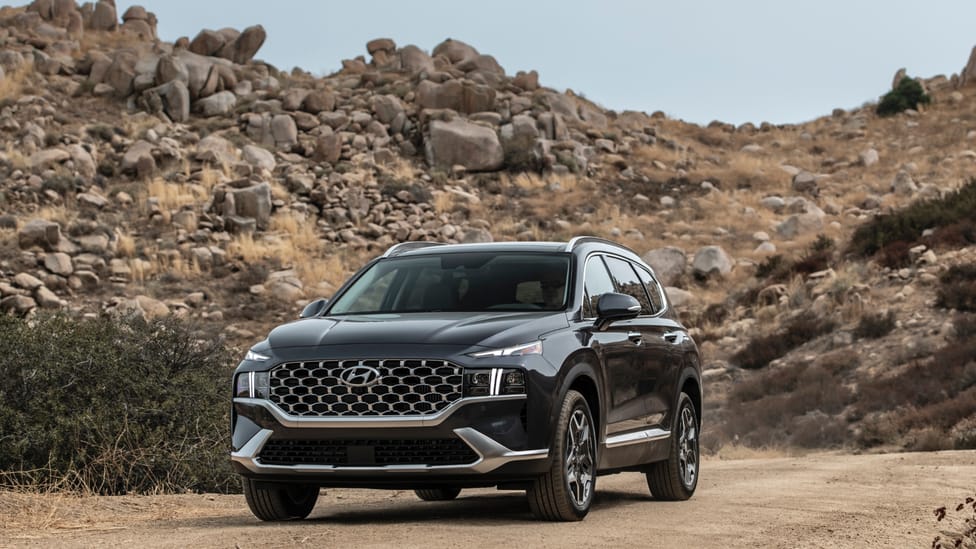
464	328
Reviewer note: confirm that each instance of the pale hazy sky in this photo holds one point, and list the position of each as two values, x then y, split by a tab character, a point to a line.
743	60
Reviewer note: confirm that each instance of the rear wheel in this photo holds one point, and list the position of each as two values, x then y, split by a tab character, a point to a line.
676	478
565	492
437	494
273	501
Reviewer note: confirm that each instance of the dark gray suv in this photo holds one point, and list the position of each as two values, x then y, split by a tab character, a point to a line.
531	366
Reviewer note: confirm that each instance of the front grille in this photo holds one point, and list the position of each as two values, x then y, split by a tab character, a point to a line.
403	387
364	453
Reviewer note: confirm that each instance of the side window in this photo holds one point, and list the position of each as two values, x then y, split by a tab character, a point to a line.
628	283
653	289
597	282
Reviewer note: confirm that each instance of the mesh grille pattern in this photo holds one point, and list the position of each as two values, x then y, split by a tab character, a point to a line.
361	453
402	388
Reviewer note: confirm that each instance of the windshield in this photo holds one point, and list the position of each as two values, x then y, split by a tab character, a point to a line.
460	282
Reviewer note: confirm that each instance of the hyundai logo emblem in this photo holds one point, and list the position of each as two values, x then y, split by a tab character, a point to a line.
360	376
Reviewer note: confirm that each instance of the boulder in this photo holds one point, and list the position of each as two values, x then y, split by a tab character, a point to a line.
207	42
41	160
328	148
121	73
459	142
903	184
669	264
528	81
17	304
218	104
259	157
253	202
215	149
39	232
415	60
172	98
319	101
284	131
138	159
246	46
678	297
59	263
799	225
454	50
868	158
386	107
47	299
380	44
104	18
711	261
465	97
171	68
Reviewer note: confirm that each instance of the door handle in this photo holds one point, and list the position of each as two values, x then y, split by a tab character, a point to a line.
674	337
636	337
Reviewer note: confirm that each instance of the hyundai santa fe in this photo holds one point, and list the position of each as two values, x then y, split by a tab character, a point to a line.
534	366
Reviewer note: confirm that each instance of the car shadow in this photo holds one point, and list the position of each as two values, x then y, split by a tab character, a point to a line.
504	507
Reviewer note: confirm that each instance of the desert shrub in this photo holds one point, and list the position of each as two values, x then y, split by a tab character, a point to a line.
760	351
957	288
773	267
908	224
907	94
812	262
113	406
896	255
875	325
795	405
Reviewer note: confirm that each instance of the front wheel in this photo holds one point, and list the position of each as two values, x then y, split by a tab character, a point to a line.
272	501
565	492
676	478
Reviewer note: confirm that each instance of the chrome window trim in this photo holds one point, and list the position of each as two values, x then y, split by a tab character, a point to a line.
586	260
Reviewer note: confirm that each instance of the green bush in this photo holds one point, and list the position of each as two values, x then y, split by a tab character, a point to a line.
113	406
948	216
908	94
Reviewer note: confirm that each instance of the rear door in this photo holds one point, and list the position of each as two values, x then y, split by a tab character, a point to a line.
671	340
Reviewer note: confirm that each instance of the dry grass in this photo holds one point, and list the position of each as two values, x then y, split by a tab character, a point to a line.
12	85
173	196
734	451
126	246
12	155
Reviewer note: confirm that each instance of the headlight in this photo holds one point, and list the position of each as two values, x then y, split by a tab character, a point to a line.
255	357
534	348
494	382
252	385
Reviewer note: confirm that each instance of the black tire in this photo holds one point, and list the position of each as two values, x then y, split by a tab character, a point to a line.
437	494
272	501
676	478
565	492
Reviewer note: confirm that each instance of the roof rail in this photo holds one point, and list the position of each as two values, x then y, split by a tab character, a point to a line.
578	240
398	249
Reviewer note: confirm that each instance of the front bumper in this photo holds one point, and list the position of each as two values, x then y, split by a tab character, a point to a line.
493	427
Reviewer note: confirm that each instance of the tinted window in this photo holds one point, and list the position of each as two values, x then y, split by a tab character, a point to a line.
653	289
459	282
628	283
597	283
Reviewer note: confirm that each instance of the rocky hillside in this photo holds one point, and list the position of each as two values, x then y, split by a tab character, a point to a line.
189	179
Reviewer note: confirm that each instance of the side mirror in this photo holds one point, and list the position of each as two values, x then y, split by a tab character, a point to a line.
612	307
314	308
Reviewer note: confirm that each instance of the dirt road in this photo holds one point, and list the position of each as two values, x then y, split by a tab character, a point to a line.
815	501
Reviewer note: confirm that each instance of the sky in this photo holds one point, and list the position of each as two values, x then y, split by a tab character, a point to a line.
736	61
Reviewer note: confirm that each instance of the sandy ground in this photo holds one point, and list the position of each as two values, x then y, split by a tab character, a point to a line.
815	501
